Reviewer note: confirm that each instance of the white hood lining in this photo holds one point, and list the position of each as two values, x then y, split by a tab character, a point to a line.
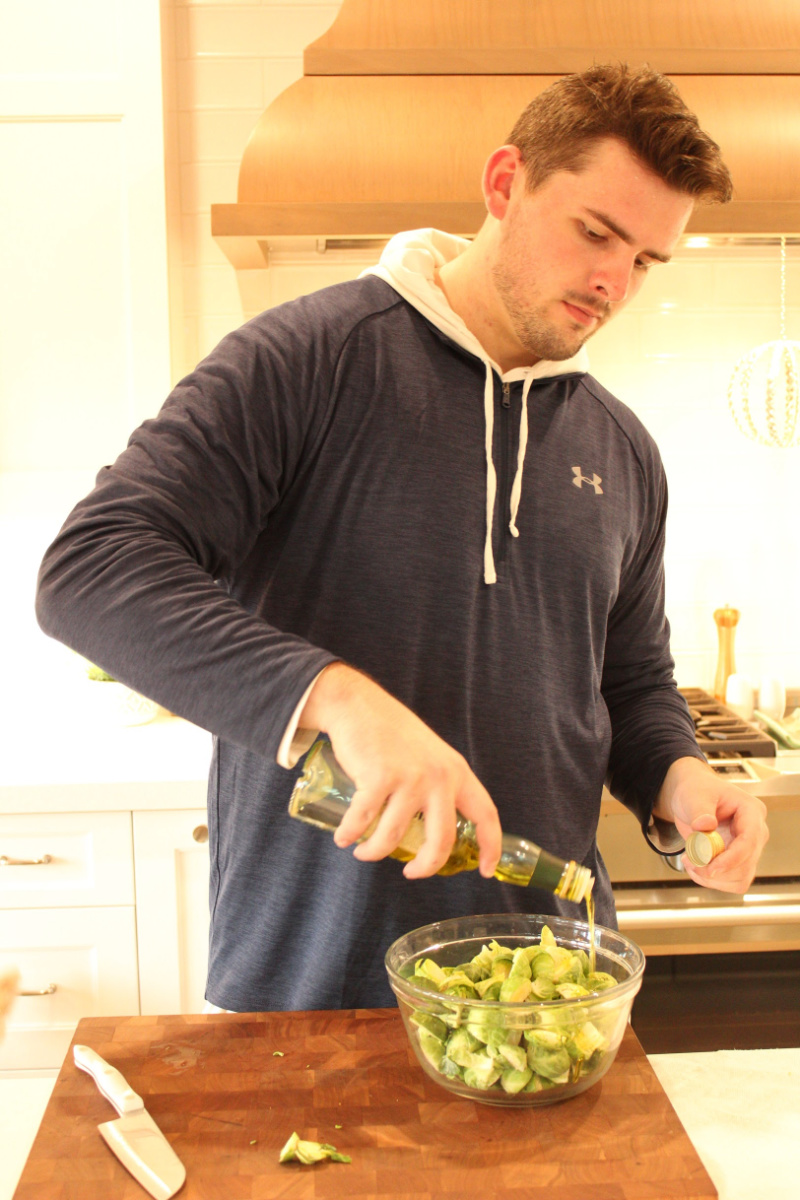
409	263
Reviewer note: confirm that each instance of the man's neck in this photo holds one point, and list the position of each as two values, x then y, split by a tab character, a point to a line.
469	290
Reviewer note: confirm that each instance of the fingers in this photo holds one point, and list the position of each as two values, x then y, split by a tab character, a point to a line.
440	834
401	769
363	811
477	805
420	819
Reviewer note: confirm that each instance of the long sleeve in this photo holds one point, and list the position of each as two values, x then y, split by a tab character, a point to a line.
149	575
650	720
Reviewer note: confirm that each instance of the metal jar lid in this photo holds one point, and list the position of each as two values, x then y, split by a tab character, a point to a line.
701	848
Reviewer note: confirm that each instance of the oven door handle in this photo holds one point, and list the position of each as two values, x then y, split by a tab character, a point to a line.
755	915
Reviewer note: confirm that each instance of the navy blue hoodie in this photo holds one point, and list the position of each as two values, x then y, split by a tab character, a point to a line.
317	490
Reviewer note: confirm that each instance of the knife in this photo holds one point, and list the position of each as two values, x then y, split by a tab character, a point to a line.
135	1138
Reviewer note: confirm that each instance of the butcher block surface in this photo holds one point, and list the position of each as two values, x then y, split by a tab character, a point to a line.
227	1091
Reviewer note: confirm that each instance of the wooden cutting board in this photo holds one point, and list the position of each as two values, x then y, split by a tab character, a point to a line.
227	1102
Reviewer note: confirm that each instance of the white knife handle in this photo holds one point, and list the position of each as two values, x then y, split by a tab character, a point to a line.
108	1079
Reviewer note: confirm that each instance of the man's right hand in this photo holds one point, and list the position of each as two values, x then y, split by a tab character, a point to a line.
400	768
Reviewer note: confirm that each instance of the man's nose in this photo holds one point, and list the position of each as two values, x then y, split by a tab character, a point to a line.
613	279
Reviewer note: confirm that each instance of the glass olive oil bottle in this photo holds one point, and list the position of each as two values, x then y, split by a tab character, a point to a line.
323	792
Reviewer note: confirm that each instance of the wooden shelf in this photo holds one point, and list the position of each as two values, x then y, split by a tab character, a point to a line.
483	37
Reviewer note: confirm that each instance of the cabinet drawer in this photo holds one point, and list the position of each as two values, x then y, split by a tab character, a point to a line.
73	859
80	962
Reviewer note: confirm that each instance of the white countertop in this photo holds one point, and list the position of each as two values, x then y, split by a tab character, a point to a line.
741	1110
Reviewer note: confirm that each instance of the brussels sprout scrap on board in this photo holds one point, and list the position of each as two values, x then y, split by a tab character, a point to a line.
310	1152
475	1045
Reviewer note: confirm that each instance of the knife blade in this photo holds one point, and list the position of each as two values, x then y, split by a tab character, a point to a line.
135	1138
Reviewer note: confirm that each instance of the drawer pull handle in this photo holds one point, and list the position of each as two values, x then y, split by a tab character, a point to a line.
200	834
48	991
5	861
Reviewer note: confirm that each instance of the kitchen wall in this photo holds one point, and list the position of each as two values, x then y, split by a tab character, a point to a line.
732	528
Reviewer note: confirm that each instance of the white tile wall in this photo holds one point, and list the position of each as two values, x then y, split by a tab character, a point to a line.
733	504
232	60
730	533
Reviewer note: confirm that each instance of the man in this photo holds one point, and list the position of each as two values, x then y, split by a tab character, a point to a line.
401	510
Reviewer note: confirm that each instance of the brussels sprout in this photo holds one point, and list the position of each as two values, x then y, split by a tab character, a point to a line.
428	969
583	958
549	1039
428	1021
473	971
515	989
310	1152
571	991
544	989
538	1084
476	1044
562	960
502	1037
459	985
484	986
547	937
599	981
482	1072
543	966
461	1045
552	1064
521	963
514	1081
588	1039
515	1056
431	1047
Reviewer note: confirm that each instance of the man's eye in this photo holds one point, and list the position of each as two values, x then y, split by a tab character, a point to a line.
593	235
641	265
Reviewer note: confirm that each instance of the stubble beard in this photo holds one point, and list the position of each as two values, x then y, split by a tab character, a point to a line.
536	331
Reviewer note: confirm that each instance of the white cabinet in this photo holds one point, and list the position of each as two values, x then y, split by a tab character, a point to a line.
171	860
103	914
73	963
58	859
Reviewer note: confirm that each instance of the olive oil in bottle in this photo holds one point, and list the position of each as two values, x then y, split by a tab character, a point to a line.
323	793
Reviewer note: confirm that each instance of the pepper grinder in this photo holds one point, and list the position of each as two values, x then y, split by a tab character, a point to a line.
727	619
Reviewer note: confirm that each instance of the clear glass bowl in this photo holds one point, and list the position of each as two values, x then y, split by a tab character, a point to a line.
450	943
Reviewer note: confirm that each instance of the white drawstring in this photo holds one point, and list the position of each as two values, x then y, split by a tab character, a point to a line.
516	490
489	573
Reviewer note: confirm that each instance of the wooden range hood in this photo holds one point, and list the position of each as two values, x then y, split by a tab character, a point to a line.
402	101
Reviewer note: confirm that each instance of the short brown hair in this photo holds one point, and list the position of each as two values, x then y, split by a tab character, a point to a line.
559	128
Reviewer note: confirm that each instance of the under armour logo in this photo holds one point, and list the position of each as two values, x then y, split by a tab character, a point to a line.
580	479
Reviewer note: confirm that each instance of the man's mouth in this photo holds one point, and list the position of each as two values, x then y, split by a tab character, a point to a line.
583	316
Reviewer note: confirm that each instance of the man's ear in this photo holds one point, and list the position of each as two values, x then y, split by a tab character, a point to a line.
502	168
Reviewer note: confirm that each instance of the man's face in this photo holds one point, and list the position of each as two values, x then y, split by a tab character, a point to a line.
571	253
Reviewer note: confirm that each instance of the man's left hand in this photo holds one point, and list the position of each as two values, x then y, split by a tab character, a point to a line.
697	800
